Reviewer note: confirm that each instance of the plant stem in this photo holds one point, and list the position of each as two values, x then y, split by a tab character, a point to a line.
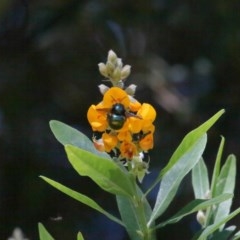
144	231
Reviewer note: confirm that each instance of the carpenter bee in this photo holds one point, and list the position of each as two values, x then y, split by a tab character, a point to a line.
118	115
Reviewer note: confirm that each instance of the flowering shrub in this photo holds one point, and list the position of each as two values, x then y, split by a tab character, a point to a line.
116	161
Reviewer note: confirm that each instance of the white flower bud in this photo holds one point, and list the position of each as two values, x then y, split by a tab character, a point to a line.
112	57
130	90
126	70
110	68
103	88
119	62
201	218
116	76
103	69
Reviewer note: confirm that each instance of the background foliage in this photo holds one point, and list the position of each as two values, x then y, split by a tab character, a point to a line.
185	61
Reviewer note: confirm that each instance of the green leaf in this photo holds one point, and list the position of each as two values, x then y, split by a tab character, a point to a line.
172	179
200	180
187	144
216	169
194	206
80	236
215	226
236	236
43	233
130	217
224	234
105	173
67	135
81	198
226	184
210	211
189	141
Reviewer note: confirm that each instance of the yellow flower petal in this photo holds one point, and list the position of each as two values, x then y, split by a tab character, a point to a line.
146	143
124	136
134	105
97	119
115	95
147	112
110	141
148	126
135	124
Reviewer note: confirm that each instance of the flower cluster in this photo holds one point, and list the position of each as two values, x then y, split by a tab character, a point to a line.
126	125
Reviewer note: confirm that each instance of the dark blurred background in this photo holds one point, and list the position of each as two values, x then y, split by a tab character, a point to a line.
185	58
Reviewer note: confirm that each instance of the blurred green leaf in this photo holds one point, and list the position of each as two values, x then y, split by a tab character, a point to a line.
105	173
236	236
217	166
187	144
80	236
172	179
215	226
194	206
225	184
67	135
224	234
43	233
189	141
81	198
129	215
200	180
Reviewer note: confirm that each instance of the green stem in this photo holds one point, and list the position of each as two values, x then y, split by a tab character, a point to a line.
144	231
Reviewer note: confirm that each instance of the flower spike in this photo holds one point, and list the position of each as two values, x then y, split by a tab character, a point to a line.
125	125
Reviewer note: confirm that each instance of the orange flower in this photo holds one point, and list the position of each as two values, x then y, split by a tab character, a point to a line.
128	150
148	115
134	105
110	141
147	112
97	119
115	95
135	124
124	136
146	142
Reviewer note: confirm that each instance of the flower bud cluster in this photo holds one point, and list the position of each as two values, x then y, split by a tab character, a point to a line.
114	70
123	127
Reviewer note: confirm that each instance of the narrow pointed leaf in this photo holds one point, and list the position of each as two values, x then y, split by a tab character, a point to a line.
212	228
200	180
105	173
216	169
194	206
187	144
236	236
67	135
43	233
172	179
224	234
80	236
81	198
226	184
190	139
